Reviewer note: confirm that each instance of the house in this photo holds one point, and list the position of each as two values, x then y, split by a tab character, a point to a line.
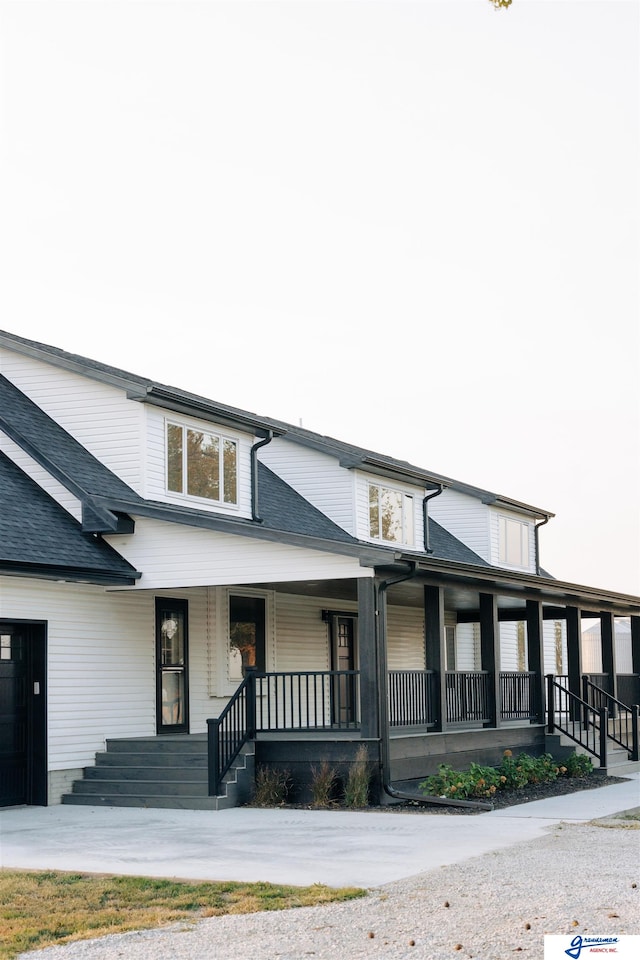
184	584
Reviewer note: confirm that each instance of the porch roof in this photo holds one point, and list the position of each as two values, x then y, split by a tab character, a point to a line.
39	538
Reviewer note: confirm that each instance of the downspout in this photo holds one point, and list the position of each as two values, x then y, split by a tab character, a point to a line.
254	475
425	517
537	543
383	709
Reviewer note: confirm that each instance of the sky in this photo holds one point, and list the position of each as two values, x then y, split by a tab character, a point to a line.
412	226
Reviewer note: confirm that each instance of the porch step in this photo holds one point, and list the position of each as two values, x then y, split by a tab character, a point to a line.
166	772
618	763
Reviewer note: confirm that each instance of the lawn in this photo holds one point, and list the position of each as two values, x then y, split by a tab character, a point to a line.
40	909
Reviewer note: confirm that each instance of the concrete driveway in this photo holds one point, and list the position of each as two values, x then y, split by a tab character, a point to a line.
337	848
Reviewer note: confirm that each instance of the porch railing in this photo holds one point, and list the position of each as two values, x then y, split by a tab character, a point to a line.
228	733
628	687
577	719
622	726
308	700
517	698
467	696
412	698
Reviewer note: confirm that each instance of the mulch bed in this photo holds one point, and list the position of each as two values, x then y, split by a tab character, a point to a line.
501	800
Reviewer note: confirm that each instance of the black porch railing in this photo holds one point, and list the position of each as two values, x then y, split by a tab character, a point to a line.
228	733
412	698
628	685
577	719
622	726
468	696
308	700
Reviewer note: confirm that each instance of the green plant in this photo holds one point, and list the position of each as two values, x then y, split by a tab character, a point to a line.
578	765
271	787
324	780
356	788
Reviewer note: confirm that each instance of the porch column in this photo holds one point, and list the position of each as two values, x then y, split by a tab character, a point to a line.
368	661
635	644
490	654
635	657
435	654
608	646
535	660
574	655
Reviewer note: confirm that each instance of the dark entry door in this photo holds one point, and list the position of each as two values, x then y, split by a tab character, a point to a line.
172	670
247	631
23	739
344	659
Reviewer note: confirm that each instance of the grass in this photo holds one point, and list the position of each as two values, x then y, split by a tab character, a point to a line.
41	909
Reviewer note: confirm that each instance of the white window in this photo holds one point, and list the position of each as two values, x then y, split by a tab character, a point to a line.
391	515
202	464
514	542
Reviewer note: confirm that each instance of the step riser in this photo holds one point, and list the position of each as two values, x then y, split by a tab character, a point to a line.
160	773
109	772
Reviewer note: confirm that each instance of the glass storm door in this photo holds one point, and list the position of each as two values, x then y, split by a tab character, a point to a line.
172	666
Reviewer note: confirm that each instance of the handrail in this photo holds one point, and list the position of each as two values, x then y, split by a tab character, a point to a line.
623	719
228	733
582	721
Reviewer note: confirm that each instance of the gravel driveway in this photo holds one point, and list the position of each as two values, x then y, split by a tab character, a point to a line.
579	878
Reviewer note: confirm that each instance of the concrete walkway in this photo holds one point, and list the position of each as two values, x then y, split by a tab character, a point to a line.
282	846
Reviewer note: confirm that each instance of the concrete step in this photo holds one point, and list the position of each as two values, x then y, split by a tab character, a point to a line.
142	771
120	758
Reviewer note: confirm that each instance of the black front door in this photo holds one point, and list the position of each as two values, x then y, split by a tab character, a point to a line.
247	631
172	666
23	731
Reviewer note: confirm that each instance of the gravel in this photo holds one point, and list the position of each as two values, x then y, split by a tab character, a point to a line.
579	878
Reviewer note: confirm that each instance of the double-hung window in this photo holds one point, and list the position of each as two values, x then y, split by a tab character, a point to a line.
391	515
202	464
514	542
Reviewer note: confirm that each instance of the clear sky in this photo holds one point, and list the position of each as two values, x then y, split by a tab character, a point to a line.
409	225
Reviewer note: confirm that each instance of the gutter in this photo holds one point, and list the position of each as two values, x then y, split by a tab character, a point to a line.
425	516
537	542
254	475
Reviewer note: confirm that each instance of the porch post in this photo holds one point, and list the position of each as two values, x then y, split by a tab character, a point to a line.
435	655
536	657
490	654
574	655
607	643
368	661
635	644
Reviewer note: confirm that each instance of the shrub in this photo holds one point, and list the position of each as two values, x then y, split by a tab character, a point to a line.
578	765
324	781
356	789
271	787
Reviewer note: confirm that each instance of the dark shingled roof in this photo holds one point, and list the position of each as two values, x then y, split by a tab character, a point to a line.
447	547
37	534
23	420
282	508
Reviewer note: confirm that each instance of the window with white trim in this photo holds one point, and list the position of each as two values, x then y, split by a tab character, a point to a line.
202	464
391	515
514	542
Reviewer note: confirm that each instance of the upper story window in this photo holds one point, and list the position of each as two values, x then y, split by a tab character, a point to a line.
391	515
514	542
202	464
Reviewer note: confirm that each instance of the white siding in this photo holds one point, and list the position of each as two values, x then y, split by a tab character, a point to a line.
468	646
302	638
101	679
466	518
316	476
405	640
173	555
99	416
554	635
33	470
155	487
509	658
